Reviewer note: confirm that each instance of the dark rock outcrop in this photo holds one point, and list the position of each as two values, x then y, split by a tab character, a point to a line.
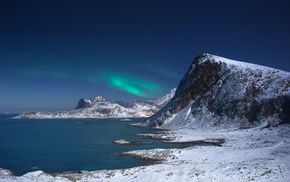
217	91
196	83
124	104
82	104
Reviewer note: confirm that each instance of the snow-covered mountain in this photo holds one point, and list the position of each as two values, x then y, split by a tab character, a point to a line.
99	107
220	92
215	94
162	101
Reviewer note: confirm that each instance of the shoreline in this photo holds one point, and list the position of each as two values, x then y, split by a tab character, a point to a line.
257	154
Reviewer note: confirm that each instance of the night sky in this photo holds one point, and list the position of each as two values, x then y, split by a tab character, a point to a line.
52	53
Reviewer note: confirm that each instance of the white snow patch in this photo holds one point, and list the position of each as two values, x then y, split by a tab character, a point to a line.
240	64
188	112
121	141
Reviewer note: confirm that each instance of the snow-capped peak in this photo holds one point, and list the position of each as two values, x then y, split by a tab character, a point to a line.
95	99
234	63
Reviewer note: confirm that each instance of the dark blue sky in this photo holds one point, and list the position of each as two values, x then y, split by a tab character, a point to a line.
53	53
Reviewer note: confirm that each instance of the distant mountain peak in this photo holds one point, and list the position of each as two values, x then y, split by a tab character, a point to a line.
100	98
99	107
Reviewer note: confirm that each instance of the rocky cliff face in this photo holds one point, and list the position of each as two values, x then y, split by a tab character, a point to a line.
220	92
85	103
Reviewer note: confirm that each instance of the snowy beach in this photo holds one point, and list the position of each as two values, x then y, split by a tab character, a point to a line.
257	154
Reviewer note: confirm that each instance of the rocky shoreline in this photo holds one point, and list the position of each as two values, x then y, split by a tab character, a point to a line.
153	156
258	154
126	142
168	137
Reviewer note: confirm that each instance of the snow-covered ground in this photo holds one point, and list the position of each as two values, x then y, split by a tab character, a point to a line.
257	154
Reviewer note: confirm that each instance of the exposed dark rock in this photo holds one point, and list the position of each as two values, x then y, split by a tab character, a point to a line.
207	142
124	104
154	155
82	104
103	111
194	84
158	136
223	92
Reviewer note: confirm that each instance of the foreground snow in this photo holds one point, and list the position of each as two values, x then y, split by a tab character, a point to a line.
259	154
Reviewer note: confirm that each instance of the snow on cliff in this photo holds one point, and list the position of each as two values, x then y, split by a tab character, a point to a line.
221	92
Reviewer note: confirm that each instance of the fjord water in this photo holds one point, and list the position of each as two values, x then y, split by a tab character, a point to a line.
61	145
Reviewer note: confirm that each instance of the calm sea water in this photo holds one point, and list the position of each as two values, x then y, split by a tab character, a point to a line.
62	145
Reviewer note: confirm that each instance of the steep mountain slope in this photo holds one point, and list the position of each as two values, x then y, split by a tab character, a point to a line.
220	92
99	107
162	101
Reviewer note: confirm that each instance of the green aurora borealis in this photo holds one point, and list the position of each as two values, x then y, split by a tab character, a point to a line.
132	85
54	53
126	82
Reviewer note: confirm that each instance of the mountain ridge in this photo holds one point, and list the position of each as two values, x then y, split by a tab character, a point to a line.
100	107
221	92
